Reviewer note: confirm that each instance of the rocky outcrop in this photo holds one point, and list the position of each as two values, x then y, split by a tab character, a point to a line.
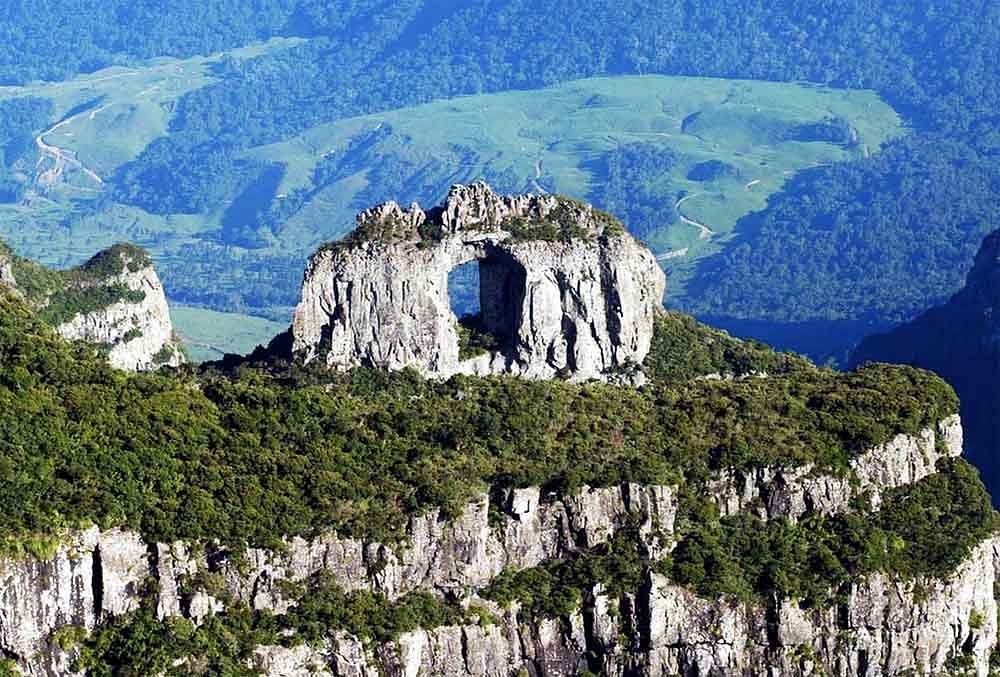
884	624
114	301
882	627
564	290
7	271
774	492
464	554
959	340
138	334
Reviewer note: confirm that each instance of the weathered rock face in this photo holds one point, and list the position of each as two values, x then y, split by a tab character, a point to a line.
140	334
7	271
795	492
133	322
883	626
581	305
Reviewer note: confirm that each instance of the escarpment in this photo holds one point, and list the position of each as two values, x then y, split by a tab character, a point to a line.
114	301
882	623
563	290
740	512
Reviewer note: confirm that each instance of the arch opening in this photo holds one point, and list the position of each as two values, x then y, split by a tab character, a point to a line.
486	297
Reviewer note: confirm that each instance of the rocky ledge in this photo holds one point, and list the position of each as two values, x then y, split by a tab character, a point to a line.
882	625
564	290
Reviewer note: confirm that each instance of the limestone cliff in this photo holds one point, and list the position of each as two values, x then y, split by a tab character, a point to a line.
115	301
882	625
564	290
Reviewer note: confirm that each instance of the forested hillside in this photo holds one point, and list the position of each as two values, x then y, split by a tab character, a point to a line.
836	243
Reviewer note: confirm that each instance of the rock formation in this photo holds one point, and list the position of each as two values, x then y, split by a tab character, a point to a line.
115	301
564	290
960	340
881	626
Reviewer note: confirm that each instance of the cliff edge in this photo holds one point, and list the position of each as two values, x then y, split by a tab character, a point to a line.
114	301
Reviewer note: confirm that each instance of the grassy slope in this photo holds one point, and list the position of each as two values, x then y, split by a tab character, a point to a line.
208	334
564	129
106	119
556	135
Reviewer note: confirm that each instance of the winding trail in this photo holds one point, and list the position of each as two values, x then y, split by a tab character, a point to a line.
704	232
538	175
61	157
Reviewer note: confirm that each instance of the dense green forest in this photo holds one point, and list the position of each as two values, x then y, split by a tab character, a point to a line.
195	456
835	244
868	239
255	451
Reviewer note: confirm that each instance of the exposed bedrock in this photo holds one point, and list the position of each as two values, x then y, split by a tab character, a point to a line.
564	290
883	626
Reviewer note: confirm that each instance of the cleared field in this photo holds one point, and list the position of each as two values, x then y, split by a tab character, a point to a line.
554	138
208	335
747	135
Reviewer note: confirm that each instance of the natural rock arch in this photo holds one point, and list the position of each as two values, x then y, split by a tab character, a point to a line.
566	288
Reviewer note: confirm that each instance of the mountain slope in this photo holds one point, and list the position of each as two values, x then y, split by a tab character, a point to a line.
361	58
742	512
960	340
114	301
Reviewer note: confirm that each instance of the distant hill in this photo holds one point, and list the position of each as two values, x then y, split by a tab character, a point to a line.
960	340
845	245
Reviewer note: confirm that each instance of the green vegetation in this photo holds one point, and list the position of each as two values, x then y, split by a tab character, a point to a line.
683	349
68	636
255	226
555	589
236	167
838	243
563	224
473	339
66	304
114	260
60	295
570	220
140	644
923	530
195	457
34	281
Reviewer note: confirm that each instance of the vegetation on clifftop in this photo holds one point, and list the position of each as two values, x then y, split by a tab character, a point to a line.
263	452
256	455
60	295
923	530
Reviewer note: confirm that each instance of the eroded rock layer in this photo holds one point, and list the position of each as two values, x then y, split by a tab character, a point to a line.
881	625
564	290
115	301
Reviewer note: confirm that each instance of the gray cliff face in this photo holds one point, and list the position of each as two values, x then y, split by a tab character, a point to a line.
7	272
140	334
581	306
135	330
795	492
883	626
